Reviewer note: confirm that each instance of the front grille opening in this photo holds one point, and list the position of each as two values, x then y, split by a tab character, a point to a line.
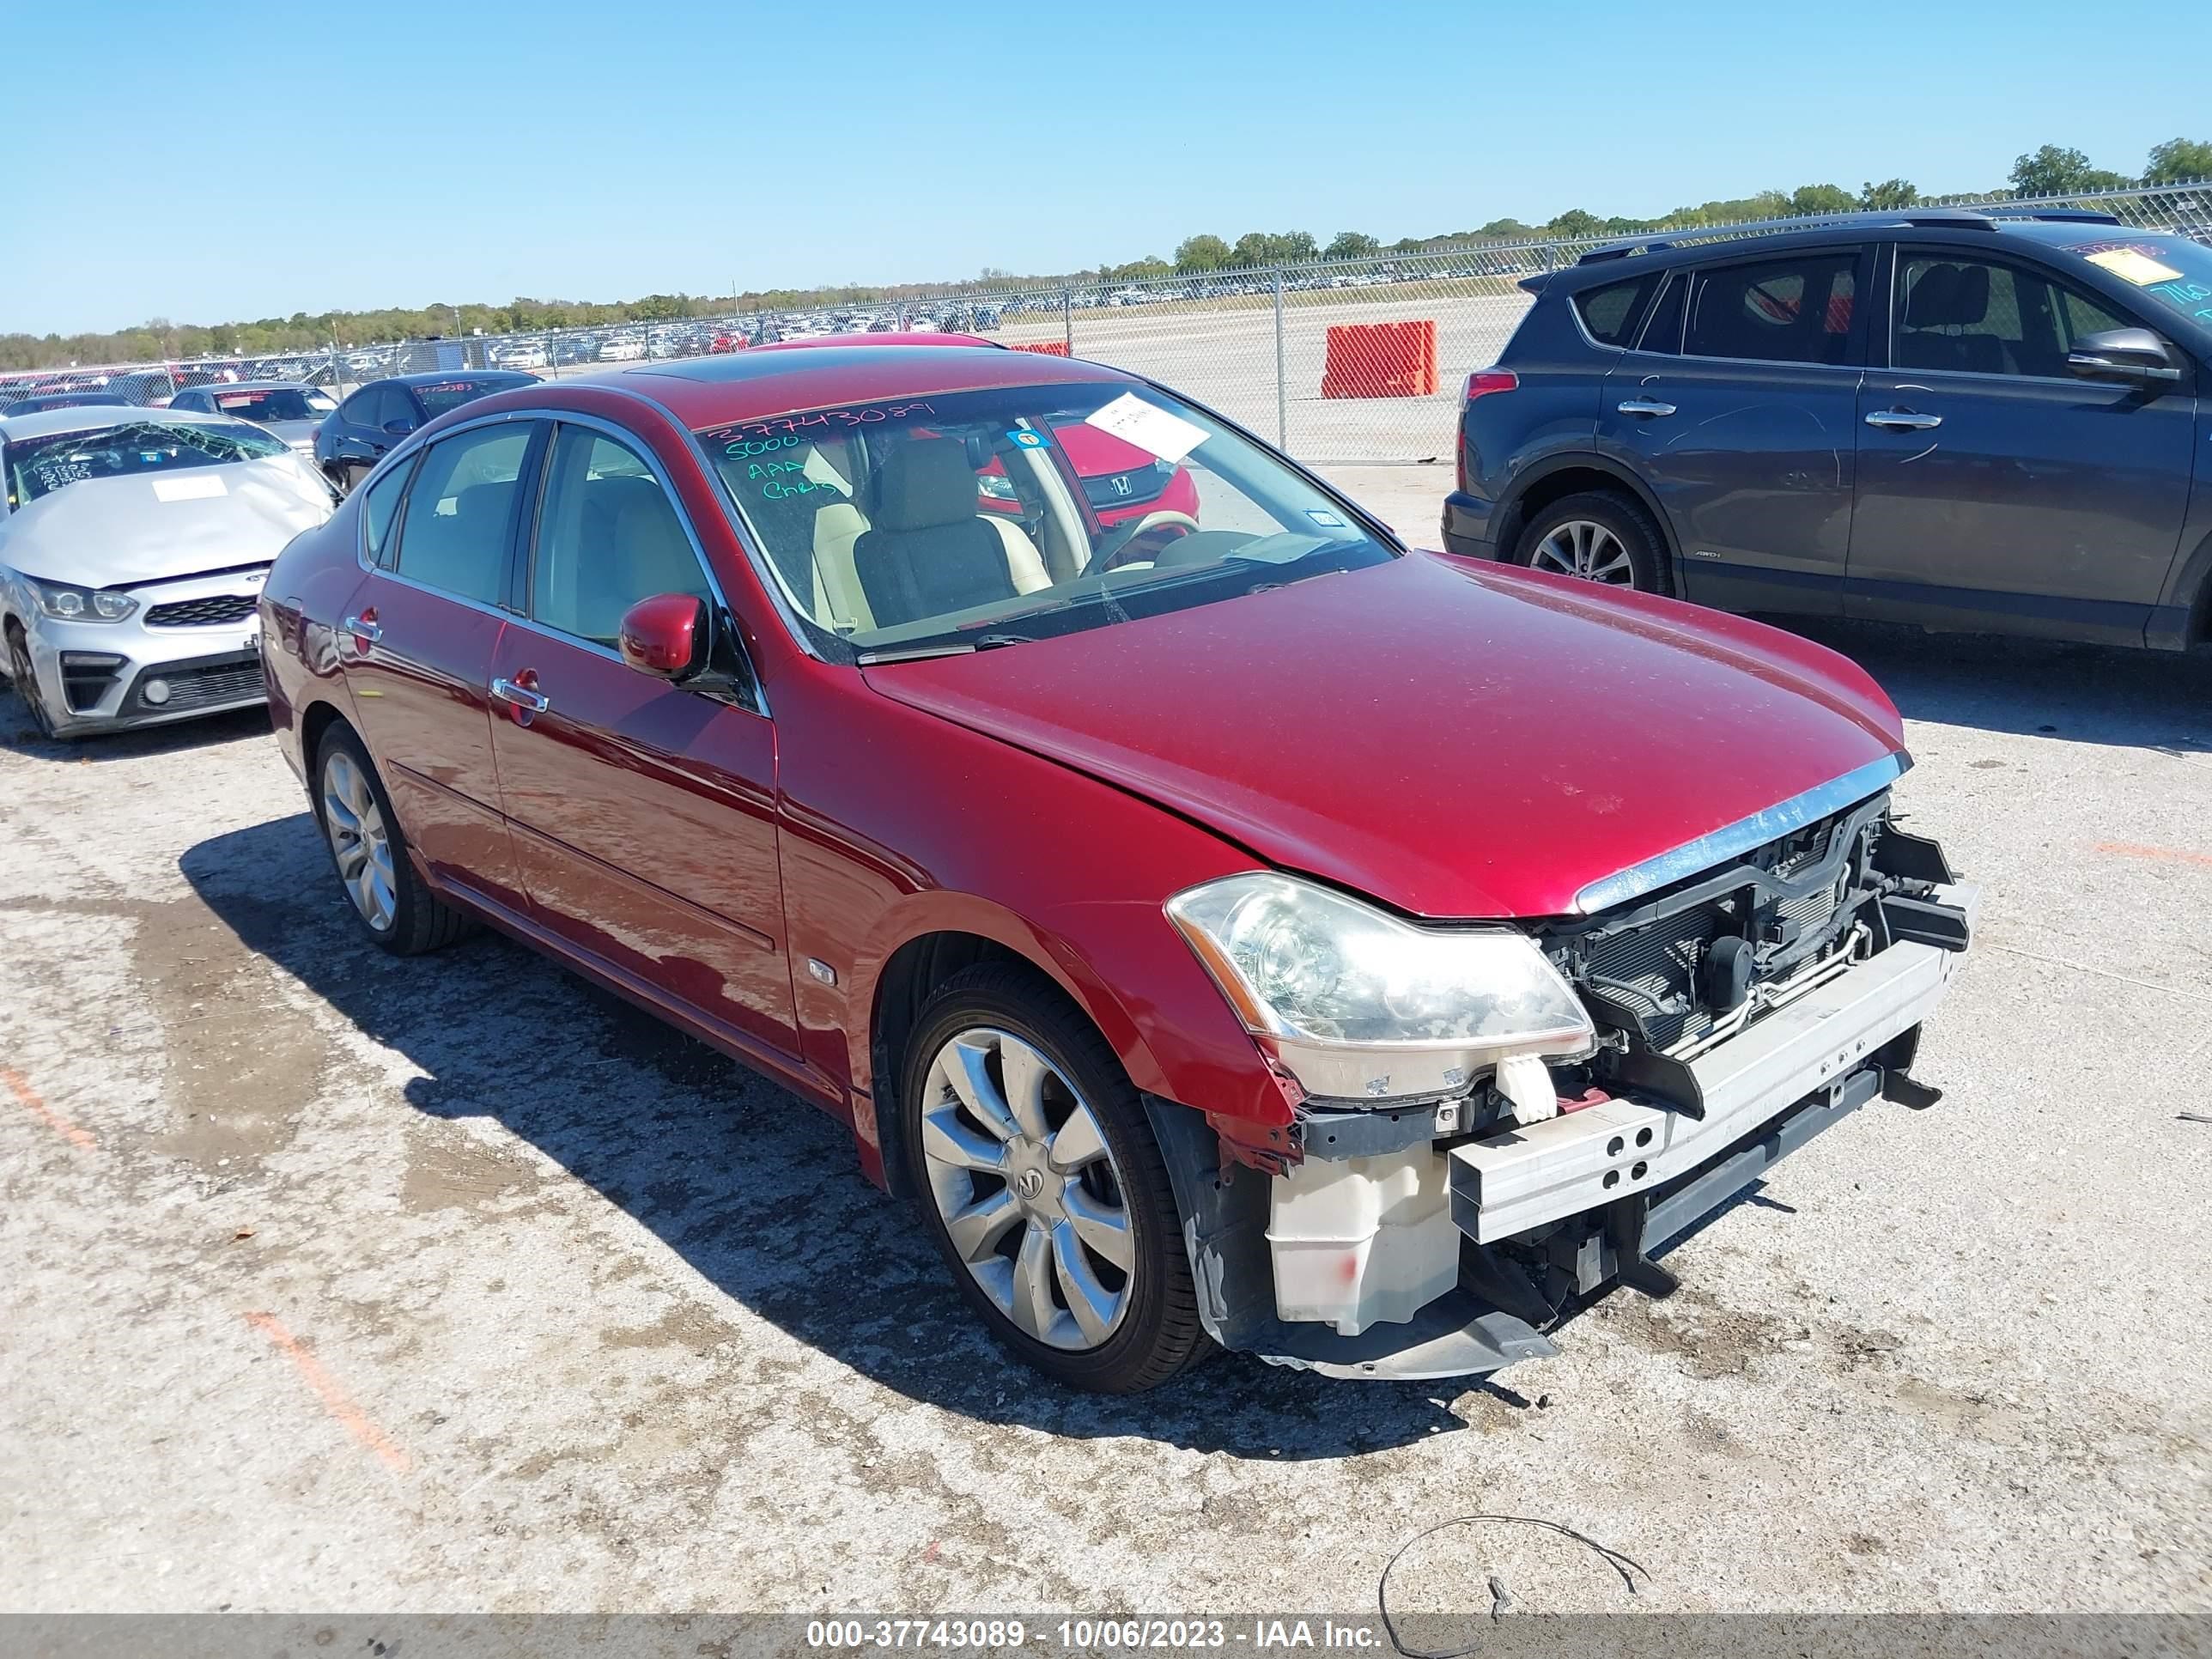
86	678
203	613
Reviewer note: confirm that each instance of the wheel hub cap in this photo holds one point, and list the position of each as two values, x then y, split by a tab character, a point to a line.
360	841
1584	548
1027	1190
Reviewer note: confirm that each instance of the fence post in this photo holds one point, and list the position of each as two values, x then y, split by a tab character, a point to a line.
1067	320
1282	382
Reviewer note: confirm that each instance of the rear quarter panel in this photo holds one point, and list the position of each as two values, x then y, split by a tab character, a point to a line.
305	598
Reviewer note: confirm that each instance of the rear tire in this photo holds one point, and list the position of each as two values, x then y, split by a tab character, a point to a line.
1599	537
1027	1138
393	904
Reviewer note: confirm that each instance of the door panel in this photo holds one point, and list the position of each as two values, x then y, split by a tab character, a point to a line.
1993	491
1746	438
644	821
418	691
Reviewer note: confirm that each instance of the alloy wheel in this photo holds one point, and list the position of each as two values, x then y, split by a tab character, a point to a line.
1583	548
359	841
1028	1192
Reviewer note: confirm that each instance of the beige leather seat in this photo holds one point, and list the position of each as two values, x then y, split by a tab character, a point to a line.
928	551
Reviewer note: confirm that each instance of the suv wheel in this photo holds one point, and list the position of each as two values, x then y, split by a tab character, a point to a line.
1599	537
1037	1175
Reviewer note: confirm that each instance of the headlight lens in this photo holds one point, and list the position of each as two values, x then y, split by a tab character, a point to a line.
69	603
997	488
1363	1006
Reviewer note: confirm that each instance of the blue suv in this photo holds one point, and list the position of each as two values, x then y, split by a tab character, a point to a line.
1964	420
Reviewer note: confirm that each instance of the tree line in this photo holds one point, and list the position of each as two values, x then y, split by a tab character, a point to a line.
2048	171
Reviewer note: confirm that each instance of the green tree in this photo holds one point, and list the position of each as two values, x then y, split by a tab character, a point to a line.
1890	195
1350	245
2055	172
1575	222
2179	161
1201	253
1821	198
1504	228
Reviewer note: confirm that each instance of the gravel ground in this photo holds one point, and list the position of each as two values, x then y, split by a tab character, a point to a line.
339	1283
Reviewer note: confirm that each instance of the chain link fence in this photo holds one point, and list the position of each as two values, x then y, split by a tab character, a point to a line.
1354	360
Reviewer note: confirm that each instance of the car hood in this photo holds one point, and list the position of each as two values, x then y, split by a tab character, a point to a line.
1455	739
112	533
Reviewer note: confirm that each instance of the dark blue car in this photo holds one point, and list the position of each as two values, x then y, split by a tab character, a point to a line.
354	436
1960	419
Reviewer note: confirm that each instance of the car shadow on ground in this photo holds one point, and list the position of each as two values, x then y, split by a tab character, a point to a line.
18	733
2037	688
756	1190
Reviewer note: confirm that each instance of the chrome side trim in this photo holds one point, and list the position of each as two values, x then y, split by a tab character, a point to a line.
1730	839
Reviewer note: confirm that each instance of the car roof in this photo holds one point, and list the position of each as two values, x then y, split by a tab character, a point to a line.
97	417
253	386
765	381
2052	227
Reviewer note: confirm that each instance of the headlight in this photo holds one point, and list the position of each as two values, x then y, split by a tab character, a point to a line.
1361	1005
997	488
82	604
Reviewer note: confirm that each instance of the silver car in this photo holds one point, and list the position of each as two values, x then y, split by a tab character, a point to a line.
133	545
290	410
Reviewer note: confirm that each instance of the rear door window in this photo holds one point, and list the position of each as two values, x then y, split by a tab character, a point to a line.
379	507
1800	309
455	532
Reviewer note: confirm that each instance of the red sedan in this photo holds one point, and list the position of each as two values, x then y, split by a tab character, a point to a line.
1230	927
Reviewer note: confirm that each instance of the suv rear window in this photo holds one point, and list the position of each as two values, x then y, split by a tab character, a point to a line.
1796	310
1611	312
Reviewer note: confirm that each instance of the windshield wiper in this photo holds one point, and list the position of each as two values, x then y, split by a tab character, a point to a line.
948	648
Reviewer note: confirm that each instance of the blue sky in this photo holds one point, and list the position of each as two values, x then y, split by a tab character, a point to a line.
259	159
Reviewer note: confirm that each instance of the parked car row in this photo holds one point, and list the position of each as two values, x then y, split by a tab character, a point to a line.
1071	795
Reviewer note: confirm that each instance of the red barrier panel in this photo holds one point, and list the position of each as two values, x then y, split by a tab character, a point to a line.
1381	360
1047	348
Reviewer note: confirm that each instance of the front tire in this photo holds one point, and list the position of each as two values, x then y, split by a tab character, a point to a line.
1038	1177
393	902
25	679
1597	536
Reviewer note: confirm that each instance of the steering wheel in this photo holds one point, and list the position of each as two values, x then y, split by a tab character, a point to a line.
1115	549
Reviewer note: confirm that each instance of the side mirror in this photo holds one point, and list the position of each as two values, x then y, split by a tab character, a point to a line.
665	635
2123	354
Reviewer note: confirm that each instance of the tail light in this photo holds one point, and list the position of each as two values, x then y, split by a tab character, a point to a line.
1483	381
1480	384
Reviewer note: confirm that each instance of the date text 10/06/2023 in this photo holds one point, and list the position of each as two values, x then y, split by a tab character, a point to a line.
1124	1635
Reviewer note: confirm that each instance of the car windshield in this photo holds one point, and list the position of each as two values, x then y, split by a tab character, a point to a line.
38	466
971	519
2172	270
279	404
438	396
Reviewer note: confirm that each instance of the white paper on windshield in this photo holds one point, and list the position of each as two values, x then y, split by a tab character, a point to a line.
2132	264
189	487
1133	420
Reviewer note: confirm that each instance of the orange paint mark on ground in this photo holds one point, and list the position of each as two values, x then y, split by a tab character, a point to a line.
53	1120
2128	849
350	1417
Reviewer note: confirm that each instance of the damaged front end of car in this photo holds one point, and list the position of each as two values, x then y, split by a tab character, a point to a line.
1457	1185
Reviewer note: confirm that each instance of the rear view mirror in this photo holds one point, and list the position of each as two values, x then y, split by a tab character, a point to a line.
2133	355
665	635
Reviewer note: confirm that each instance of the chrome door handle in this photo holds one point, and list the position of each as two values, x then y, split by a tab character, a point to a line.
363	630
1904	420
1644	406
520	695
